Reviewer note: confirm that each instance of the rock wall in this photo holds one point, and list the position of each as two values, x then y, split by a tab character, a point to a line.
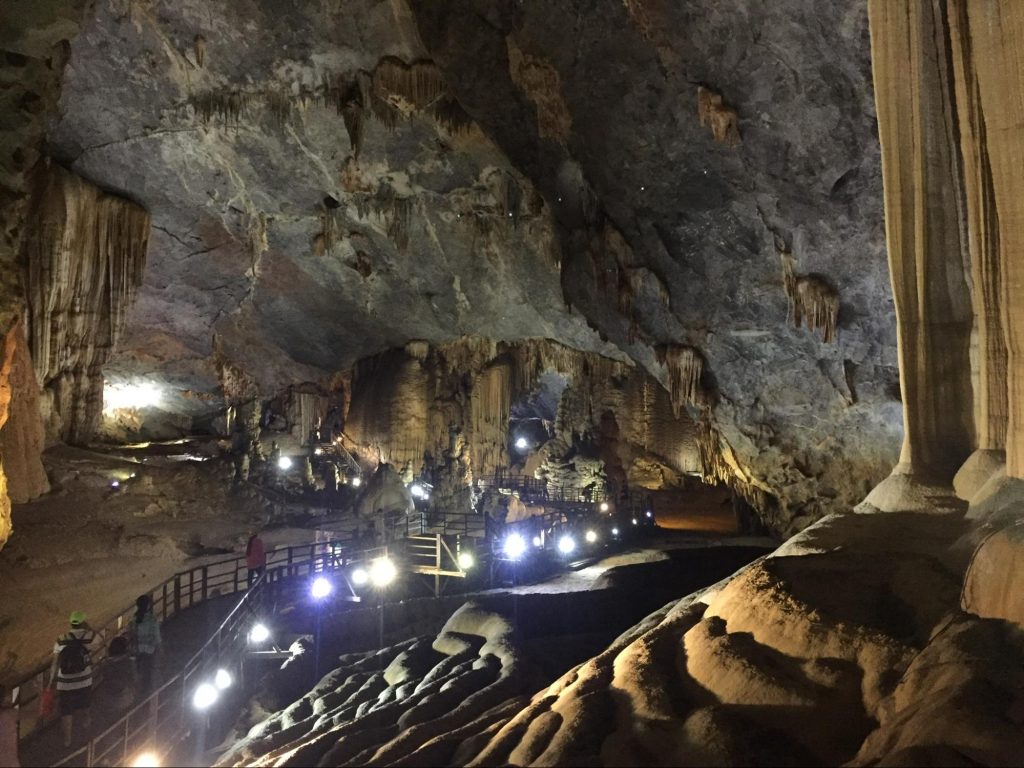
405	402
683	148
22	438
34	47
84	254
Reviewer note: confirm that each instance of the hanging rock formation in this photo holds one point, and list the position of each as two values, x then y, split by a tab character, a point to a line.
84	254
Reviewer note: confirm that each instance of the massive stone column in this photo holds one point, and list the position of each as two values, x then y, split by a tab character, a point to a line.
990	403
996	31
914	94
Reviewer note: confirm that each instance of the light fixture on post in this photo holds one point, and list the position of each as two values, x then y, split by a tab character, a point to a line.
522	444
566	544
319	589
466	560
284	463
382	573
604	506
356	481
591	537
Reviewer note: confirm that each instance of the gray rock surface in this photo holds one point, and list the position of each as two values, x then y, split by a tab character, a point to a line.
590	133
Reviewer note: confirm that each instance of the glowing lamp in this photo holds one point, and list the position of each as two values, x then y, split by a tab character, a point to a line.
522	443
222	680
514	546
538	541
615	531
466	560
566	545
356	482
360	577
204	697
604	506
285	462
417	490
591	537
320	588
382	572
146	760
259	634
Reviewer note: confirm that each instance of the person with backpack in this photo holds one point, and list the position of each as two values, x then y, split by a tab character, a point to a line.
147	642
72	672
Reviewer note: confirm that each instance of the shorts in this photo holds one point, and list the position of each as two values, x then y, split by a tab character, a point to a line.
70	702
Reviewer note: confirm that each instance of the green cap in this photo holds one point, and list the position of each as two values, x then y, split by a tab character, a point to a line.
77	617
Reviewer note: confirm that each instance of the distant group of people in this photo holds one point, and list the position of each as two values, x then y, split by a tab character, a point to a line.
129	672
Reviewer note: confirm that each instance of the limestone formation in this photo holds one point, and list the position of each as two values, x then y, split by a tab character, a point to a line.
22	438
926	249
84	255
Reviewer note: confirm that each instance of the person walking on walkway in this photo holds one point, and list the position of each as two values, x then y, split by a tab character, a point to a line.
255	557
147	642
72	671
8	731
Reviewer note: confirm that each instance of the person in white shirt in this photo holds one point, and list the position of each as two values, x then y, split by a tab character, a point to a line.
72	671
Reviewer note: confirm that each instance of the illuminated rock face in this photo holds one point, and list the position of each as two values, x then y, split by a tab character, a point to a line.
319	194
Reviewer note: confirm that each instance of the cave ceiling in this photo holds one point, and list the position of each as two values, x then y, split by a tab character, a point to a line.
585	144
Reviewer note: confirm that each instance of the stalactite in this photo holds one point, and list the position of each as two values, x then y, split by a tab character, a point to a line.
685	366
280	106
327	239
84	255
451	116
811	299
393	210
229	107
256	234
199	49
721	119
409	87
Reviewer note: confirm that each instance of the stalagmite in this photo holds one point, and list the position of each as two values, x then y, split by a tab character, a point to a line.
84	255
926	253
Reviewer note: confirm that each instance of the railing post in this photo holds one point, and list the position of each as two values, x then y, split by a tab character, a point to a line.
177	592
205	583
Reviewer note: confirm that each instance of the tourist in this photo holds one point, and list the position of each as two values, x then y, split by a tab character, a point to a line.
255	557
8	731
118	674
147	642
72	671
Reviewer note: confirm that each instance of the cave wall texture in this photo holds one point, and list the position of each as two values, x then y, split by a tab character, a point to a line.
692	187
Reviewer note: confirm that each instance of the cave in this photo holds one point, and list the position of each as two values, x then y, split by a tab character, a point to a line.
488	382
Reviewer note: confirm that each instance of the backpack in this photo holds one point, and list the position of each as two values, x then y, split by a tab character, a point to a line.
74	656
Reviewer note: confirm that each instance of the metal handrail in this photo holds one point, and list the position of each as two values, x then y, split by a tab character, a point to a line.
182	590
226	642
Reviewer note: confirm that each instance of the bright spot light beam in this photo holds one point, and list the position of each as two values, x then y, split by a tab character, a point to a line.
146	760
320	588
591	537
382	572
124	396
222	680
285	462
259	633
566	545
466	560
360	577
514	546
204	697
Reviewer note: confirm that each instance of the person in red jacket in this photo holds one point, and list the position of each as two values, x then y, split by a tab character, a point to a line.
255	557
